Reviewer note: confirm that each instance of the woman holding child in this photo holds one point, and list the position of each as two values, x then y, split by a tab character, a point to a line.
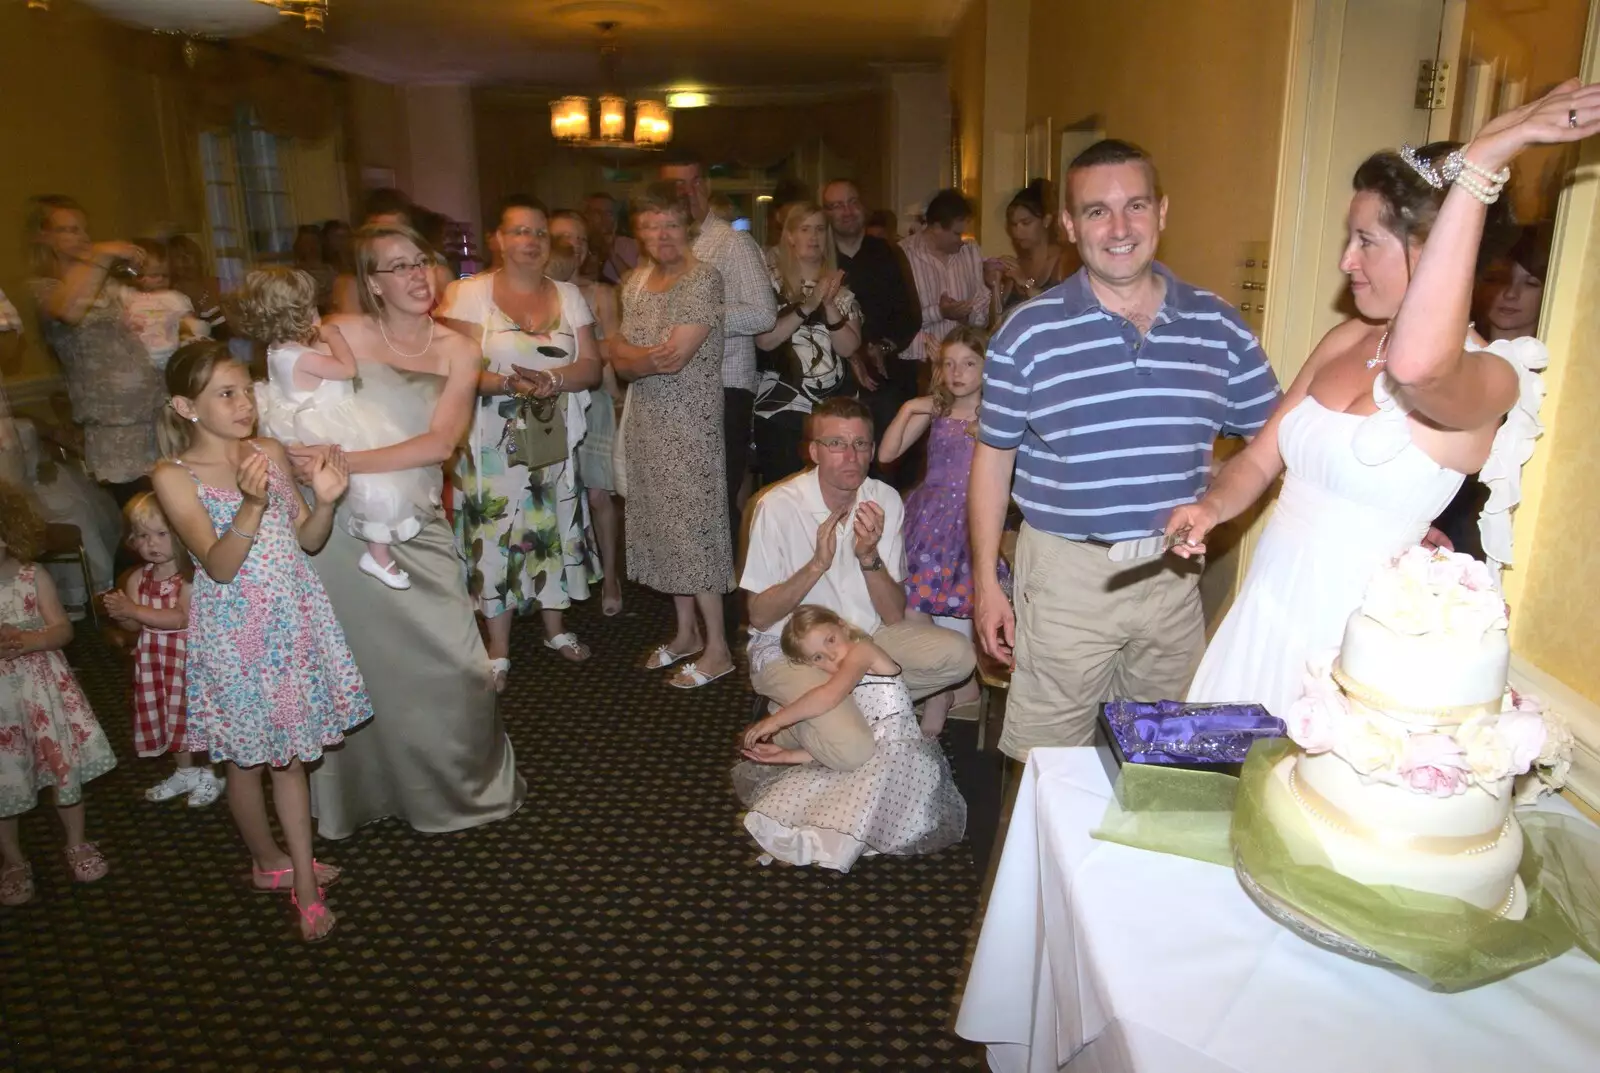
436	752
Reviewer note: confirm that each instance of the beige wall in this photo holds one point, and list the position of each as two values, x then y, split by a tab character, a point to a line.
965	61
380	134
1198	85
96	135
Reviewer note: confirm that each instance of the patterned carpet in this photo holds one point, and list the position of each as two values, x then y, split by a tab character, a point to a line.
618	922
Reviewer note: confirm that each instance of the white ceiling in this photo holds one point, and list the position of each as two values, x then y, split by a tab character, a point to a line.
662	43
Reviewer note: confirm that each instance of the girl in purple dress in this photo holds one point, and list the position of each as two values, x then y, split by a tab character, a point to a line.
270	679
938	553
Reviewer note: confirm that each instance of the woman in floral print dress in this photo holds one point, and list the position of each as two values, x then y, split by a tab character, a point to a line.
522	523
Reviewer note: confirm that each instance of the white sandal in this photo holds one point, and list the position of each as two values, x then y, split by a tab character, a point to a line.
563	641
499	670
664	657
696	677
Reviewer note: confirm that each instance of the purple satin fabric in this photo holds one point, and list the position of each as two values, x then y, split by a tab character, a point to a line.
1226	730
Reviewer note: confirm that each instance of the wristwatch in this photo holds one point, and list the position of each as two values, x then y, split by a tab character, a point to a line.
874	563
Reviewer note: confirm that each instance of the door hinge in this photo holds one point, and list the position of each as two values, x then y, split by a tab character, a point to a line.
1433	85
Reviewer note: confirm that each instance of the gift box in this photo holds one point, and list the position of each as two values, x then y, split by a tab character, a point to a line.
1200	737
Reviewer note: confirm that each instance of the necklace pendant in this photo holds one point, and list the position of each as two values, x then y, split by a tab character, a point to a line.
1373	363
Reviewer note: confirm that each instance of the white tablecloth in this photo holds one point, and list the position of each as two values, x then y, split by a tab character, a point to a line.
1100	958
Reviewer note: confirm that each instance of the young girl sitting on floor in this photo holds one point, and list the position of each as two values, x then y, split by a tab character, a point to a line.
310	397
270	679
901	801
154	602
938	552
48	734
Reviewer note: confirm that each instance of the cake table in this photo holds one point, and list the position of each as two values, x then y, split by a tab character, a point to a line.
1098	958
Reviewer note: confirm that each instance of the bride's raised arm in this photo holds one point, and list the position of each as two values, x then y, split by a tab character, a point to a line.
1438	379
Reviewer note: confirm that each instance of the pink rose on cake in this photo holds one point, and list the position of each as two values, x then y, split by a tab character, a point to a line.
1427	591
1314	716
1434	764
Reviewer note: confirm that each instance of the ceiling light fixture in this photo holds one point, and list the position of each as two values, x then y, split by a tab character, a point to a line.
570	117
687	99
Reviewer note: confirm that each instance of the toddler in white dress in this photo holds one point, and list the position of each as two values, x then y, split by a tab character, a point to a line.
310	397
901	801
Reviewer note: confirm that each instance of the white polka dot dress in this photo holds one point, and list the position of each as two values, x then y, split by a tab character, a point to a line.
902	801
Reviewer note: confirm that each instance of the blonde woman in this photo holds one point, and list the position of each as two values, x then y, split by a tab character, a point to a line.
804	358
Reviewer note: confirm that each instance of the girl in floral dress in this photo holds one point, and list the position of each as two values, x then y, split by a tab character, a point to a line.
938	551
48	735
154	603
270	679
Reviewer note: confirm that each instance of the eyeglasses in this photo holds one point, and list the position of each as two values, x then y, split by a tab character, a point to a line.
416	268
839	445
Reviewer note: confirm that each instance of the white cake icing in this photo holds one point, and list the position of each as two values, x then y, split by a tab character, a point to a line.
1411	741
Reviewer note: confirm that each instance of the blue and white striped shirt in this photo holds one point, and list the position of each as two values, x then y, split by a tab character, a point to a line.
1112	431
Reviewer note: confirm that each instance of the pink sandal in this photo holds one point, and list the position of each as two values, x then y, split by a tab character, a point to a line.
283	879
16	884
86	863
312	917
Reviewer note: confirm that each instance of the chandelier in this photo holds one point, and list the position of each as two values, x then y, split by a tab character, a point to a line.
570	117
314	13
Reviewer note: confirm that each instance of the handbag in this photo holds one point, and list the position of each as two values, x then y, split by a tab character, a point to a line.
538	433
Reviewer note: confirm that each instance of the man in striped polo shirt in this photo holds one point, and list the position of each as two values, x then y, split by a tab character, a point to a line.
1104	395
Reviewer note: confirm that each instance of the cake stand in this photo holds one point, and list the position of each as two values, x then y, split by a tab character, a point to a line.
1315	931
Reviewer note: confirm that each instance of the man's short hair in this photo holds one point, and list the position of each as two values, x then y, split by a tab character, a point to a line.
947	208
686	159
601	195
386	201
840	181
841	407
1112	151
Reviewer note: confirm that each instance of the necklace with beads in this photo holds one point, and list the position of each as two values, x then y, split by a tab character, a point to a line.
383	331
1378	358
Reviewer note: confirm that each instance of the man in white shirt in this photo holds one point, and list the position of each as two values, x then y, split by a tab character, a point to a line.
749	307
862	581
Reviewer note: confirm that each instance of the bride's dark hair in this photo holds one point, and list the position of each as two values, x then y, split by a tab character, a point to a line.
1411	205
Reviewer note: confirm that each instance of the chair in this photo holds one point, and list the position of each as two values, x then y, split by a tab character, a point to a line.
994	680
64	544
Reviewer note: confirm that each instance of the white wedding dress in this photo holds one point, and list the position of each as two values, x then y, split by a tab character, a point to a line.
1357	492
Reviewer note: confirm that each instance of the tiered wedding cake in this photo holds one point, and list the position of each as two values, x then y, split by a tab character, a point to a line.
1412	741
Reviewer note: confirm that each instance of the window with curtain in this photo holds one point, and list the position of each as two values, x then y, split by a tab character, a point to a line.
249	209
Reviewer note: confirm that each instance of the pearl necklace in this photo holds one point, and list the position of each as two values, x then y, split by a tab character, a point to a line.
1378	358
432	324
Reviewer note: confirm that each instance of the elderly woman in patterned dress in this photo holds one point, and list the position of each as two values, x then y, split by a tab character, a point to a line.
677	506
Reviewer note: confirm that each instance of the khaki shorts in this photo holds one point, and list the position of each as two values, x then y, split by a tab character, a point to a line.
1090	630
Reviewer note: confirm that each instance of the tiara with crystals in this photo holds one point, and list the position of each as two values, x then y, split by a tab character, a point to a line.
1456	168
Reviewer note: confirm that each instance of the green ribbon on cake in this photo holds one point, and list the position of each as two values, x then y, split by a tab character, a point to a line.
1454	945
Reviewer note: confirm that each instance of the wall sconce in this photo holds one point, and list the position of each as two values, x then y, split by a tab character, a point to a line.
569	119
613	118
652	124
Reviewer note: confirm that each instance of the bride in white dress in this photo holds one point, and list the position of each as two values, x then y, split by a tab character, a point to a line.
1389	412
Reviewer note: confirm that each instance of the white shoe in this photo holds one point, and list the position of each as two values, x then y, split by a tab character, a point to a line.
207	788
177	784
395	578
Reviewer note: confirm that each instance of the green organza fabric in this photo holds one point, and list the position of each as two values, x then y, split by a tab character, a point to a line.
1453	945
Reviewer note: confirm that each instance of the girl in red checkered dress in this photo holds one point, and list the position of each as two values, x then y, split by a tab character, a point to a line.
154	600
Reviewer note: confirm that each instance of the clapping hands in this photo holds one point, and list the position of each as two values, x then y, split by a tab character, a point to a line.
329	476
868	530
253	478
